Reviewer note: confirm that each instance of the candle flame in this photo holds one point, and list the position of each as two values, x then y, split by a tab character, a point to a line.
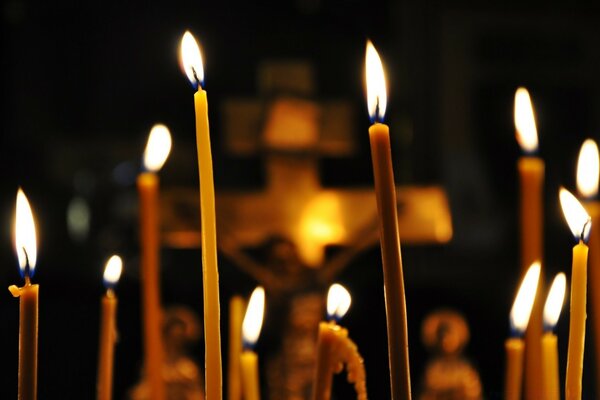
25	236
588	169
254	317
191	59
525	121
521	309
112	271
376	88
578	219
338	301
157	148
554	301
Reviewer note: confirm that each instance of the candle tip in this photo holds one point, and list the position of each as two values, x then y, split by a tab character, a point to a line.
376	85
253	319
190	59
577	217
338	302
25	236
112	272
521	309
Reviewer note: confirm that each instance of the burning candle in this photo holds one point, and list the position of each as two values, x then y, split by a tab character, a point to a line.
580	224
519	318
385	189
552	308
335	348
26	248
191	59
108	328
237	307
531	173
155	155
587	185
250	332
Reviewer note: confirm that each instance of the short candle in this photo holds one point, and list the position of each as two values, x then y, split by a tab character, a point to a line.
552	308
519	318
250	332
335	349
26	248
108	328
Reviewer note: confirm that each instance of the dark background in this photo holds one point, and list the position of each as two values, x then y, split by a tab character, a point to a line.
83	84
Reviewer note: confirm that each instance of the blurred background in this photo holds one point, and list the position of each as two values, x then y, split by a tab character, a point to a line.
84	82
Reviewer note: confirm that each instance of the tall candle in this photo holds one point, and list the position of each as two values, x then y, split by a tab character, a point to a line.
531	173
156	153
335	349
26	248
552	308
192	64
519	318
108	329
250	332
580	224
587	185
385	189
237	307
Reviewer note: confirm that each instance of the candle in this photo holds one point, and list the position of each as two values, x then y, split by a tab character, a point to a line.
552	308
250	332
155	155
26	248
587	185
519	318
236	315
108	328
192	64
531	173
385	189
335	348
580	224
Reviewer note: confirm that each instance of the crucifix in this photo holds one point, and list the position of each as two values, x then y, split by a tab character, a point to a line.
294	218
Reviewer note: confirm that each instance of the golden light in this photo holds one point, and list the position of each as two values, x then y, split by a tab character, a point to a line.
376	89
588	169
578	219
338	301
112	271
191	59
521	309
25	236
157	148
525	121
555	300
254	317
321	223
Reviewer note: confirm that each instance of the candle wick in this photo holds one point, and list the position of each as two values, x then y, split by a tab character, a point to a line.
195	77
27	271
587	222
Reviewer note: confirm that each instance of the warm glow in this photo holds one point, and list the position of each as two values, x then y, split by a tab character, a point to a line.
158	148
588	169
25	235
525	121
554	301
112	271
191	59
376	90
578	219
338	301
521	310
254	317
